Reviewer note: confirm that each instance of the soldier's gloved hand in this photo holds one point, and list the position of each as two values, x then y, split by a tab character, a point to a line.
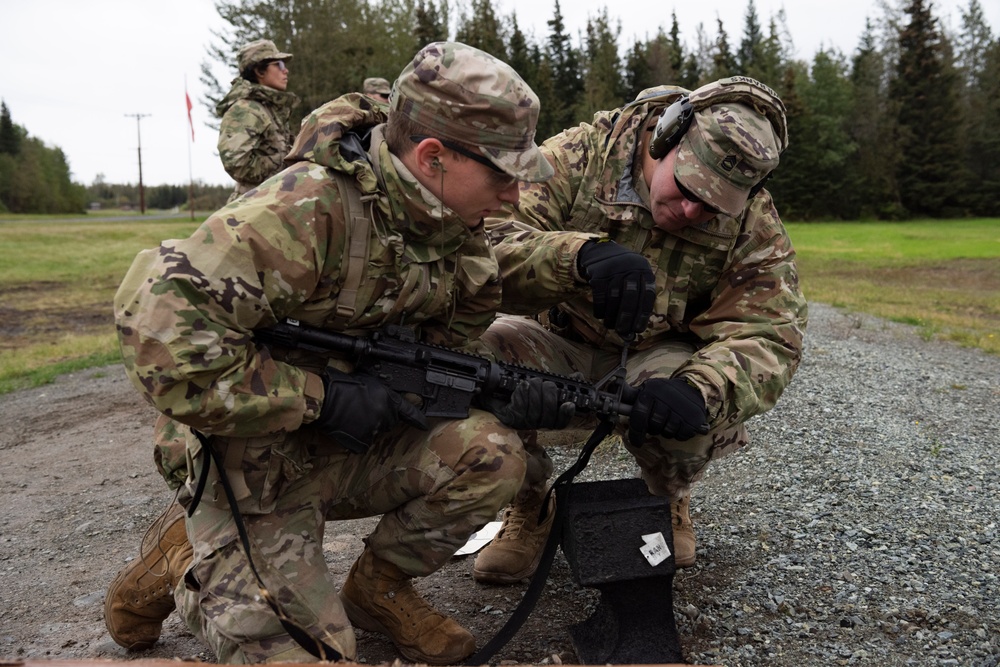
622	283
535	403
668	408
357	407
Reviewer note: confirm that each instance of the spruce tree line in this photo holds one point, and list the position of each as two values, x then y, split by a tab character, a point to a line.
906	126
34	178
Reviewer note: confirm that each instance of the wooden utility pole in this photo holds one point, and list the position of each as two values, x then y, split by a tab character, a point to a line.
142	192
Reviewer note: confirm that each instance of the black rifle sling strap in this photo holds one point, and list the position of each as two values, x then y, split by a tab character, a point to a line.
314	645
531	595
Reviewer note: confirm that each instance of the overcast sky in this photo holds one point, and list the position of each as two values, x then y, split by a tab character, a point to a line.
75	71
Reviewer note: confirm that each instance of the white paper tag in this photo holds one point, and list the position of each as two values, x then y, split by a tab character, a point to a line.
480	538
655	548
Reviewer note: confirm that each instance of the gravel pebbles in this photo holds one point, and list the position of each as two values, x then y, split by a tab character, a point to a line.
860	526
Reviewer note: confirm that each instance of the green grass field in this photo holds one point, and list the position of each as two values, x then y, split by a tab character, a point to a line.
942	276
57	280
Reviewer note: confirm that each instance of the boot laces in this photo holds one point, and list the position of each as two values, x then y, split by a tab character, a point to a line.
157	553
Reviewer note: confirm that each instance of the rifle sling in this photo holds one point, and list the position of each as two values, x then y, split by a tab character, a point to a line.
318	648
314	645
537	583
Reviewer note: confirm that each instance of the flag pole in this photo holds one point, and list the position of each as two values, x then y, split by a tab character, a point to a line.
187	100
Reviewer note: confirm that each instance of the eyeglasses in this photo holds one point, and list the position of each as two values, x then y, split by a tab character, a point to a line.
280	64
694	199
481	159
498	176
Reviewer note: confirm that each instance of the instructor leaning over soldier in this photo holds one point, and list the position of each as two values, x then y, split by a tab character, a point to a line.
377	220
677	176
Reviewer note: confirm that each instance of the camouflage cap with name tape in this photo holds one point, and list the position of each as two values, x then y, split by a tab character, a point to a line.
461	93
734	142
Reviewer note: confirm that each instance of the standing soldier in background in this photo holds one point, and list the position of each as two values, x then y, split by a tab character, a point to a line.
677	176
377	87
255	134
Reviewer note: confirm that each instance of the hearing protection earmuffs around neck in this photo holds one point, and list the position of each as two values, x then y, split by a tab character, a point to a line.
676	119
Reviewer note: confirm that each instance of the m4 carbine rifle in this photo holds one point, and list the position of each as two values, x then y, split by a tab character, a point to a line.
447	381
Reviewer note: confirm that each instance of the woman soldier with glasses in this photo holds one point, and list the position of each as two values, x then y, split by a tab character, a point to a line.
255	132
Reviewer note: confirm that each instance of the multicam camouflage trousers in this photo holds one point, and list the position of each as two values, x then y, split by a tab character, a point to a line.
668	467
433	488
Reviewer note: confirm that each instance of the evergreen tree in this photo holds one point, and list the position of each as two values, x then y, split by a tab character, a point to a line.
972	44
826	138
37	179
637	71
567	81
989	173
482	29
703	55
790	184
682	72
930	170
772	60
980	135
430	26
659	60
604	87
552	112
750	56
521	56
675	49
10	140
724	63
869	120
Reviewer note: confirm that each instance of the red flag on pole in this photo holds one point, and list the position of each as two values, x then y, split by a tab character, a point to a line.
190	122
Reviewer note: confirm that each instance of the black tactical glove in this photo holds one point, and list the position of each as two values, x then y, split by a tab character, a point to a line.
668	408
535	404
622	283
357	407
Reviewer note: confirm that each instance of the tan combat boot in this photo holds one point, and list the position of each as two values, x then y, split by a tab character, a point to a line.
514	553
379	597
683	532
141	597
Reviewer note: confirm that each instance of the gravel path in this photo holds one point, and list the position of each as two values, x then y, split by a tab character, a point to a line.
860	526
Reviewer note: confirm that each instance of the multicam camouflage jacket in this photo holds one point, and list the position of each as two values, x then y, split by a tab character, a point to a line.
730	286
254	135
185	310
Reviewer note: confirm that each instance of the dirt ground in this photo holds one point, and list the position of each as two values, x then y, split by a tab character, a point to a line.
79	489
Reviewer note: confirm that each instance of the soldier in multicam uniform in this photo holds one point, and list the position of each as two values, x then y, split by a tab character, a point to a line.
377	87
676	176
303	439
255	133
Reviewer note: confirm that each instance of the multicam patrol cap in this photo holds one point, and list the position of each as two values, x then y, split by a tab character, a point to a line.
734	142
461	93
375	85
258	51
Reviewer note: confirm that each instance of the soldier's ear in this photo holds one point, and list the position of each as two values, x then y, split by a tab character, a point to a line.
427	156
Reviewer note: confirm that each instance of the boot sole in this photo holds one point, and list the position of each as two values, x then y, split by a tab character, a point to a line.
506	578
